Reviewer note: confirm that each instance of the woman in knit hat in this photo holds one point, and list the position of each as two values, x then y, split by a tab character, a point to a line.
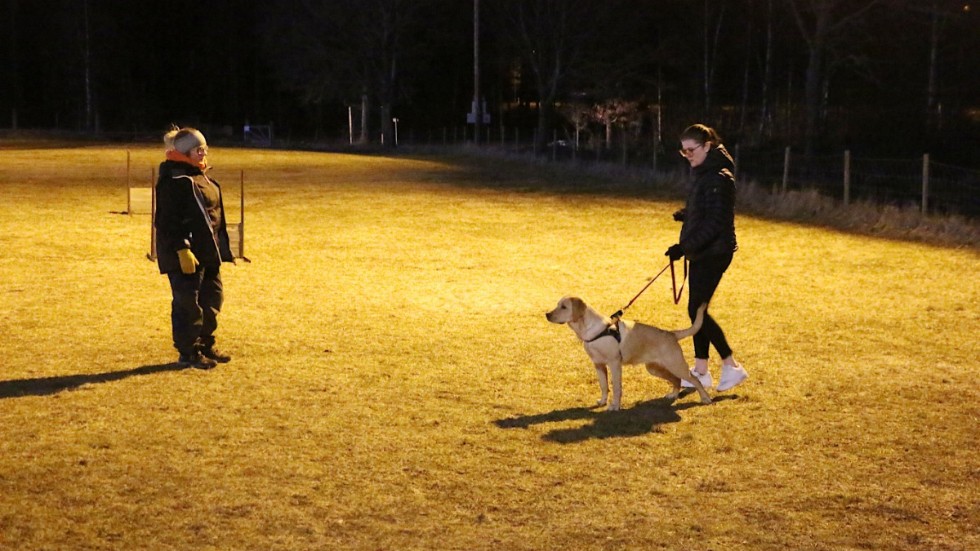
192	242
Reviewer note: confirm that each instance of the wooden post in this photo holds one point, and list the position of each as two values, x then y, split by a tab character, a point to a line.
129	201
241	217
785	169
153	216
847	177
925	183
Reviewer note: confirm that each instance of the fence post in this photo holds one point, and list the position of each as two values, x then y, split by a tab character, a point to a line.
785	168
153	233
847	177
129	194
241	216
925	183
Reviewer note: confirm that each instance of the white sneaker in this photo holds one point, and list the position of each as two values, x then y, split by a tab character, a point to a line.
731	376
705	379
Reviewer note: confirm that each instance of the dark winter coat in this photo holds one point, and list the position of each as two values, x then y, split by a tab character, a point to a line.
709	214
181	219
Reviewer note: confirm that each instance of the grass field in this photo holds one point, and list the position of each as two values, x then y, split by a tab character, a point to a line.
395	385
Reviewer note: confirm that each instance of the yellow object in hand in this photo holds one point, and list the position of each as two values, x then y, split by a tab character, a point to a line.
188	262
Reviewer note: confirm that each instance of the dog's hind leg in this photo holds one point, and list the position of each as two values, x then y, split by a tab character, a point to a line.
705	399
657	370
603	375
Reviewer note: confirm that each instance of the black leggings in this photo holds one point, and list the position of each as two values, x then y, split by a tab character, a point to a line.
705	275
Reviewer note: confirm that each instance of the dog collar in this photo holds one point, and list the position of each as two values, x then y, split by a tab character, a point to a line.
612	330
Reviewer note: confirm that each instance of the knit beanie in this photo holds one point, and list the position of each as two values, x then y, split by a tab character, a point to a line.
189	141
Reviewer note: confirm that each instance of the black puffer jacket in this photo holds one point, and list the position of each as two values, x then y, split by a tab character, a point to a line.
709	215
181	219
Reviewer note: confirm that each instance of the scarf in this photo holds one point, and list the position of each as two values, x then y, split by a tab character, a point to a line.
174	155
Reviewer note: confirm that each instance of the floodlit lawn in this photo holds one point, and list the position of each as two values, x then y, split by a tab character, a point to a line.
396	386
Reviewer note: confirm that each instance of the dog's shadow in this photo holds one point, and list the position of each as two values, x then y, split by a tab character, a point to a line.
643	418
45	386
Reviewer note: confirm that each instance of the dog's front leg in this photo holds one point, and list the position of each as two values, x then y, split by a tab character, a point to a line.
603	376
617	385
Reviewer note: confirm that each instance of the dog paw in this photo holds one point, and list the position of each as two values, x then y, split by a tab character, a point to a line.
671	396
600	402
706	401
612	407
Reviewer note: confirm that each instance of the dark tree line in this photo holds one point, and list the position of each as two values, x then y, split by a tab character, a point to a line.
883	76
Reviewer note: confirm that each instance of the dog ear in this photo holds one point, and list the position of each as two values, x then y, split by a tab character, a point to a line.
578	308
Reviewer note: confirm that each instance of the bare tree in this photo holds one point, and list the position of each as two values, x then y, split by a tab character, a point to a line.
765	116
347	50
13	73
940	13
712	38
822	23
554	38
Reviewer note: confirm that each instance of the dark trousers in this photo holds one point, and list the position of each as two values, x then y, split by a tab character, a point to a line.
197	299
705	275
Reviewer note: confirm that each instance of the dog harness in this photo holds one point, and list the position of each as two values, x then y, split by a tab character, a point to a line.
612	330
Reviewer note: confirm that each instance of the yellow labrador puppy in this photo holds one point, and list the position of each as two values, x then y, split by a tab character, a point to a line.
612	344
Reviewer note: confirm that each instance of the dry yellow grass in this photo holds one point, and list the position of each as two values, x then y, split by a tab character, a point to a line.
395	385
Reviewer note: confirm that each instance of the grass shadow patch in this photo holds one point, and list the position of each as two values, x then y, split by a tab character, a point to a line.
643	418
45	386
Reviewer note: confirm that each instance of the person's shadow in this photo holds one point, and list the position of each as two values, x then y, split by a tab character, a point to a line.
44	386
643	418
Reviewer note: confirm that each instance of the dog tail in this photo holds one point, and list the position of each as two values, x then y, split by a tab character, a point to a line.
695	327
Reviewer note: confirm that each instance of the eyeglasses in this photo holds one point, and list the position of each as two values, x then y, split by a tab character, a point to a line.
688	151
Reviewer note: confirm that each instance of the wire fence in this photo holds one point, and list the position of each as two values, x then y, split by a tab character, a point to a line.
930	186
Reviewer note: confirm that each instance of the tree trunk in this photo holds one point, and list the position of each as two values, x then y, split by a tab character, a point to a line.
13	75
365	113
933	122
764	116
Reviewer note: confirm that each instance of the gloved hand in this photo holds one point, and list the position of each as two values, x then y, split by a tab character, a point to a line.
188	262
675	252
679	215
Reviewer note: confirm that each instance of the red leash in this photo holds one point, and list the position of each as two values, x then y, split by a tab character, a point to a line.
675	292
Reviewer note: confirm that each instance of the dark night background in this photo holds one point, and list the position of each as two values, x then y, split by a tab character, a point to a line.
881	77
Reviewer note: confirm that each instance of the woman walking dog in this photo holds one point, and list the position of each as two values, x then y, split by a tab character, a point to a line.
707	240
192	242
